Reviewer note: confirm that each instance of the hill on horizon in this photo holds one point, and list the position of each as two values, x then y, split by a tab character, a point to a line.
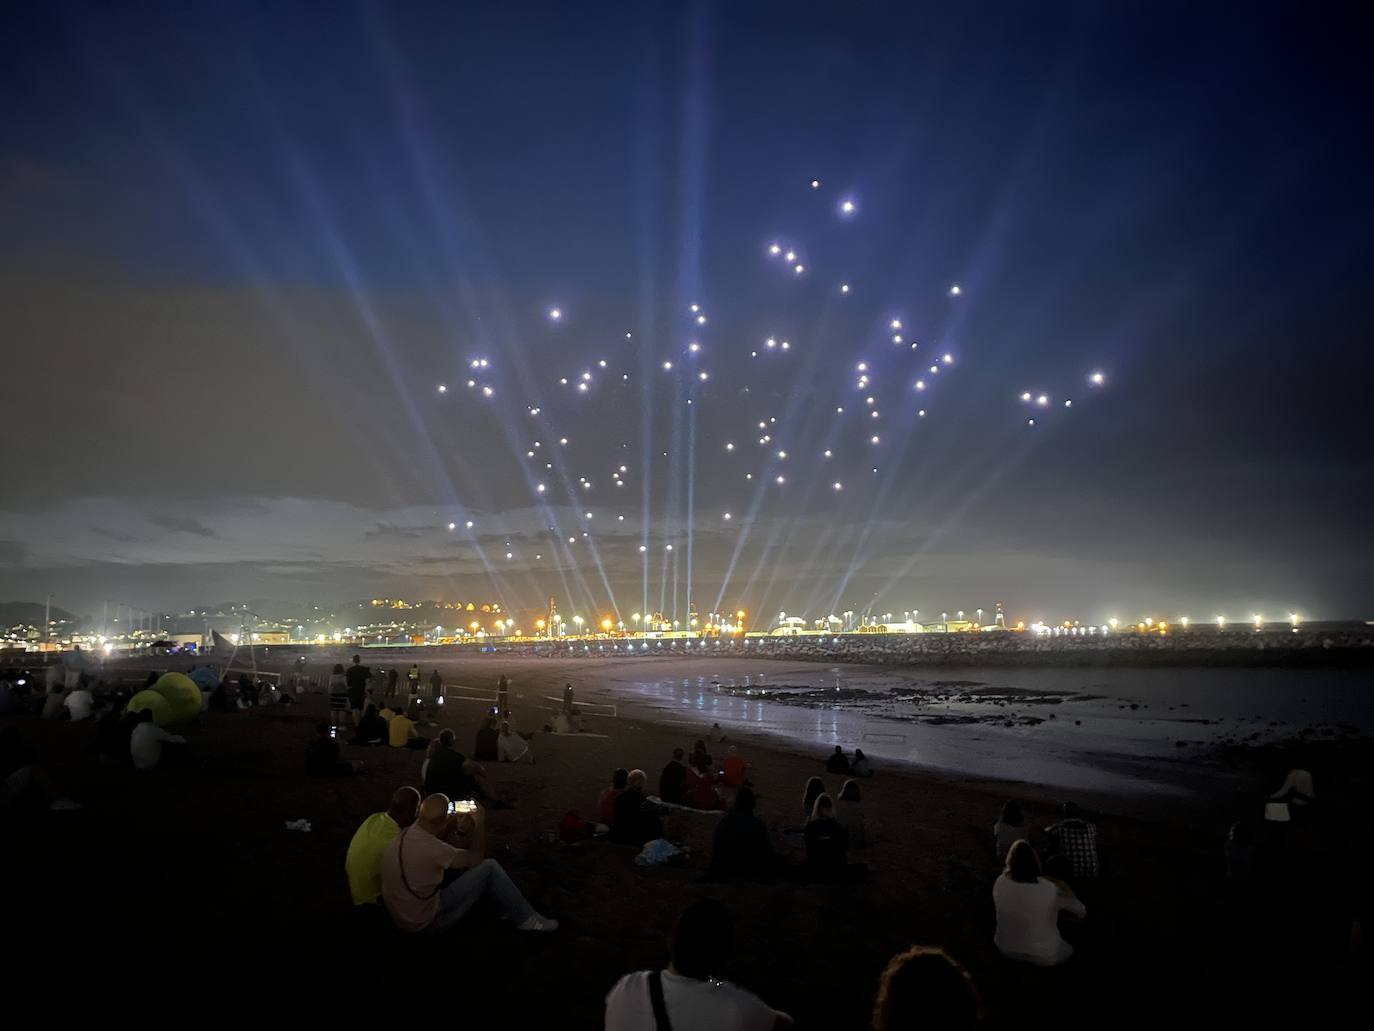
29	613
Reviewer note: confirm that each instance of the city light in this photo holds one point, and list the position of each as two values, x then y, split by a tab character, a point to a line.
555	314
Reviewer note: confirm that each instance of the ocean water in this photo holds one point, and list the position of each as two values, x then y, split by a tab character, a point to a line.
1108	730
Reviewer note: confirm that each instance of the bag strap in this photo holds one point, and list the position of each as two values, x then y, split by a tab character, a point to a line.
401	862
661	1021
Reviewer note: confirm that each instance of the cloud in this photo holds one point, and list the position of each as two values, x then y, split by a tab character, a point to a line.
181	524
12	553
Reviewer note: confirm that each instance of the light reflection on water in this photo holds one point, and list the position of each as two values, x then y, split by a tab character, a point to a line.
1114	713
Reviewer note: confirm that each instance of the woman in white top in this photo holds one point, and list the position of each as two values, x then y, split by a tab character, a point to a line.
1028	908
1010	829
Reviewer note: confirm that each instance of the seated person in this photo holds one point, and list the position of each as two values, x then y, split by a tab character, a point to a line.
687	995
699	790
112	736
54	702
414	866
605	803
838	761
512	748
363	863
741	846
699	753
1028	907
732	769
401	733
79	703
387	713
827	846
815	788
1010	829
673	778
449	772
372	728
849	813
1297	789
268	693
859	766
633	822
322	758
149	744
484	748
1074	843
926	987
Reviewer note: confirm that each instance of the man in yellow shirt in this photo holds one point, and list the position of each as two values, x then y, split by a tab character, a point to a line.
402	733
363	864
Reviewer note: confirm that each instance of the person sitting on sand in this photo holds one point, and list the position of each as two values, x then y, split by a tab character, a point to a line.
815	788
1010	829
699	753
484	746
372	728
741	846
363	863
449	772
633	821
733	767
699	789
112	736
838	761
849	814
1075	842
605	803
415	863
672	779
148	744
21	778
513	748
401	733
859	766
686	995
1028	907
79	703
1297	790
926	987
322	758
827	846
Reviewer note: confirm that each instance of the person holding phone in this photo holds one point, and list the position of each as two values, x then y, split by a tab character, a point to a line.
322	758
416	862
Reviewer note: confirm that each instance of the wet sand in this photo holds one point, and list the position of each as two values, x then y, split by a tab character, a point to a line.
199	863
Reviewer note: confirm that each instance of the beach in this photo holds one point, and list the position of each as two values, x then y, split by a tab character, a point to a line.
206	856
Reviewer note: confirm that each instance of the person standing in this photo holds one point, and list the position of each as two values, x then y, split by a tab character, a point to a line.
568	698
503	697
338	695
436	685
357	677
413	679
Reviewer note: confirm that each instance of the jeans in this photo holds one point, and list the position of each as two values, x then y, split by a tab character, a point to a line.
485	879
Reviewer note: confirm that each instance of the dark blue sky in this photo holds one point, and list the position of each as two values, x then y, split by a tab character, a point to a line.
241	245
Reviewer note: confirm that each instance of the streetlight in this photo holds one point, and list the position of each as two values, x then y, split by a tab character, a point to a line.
606	624
980	616
578	620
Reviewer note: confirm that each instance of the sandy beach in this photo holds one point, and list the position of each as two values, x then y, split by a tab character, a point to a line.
205	857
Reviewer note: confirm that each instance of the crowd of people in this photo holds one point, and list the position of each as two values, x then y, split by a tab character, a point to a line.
423	860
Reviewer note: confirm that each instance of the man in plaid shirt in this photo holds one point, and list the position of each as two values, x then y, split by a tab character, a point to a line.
1075	839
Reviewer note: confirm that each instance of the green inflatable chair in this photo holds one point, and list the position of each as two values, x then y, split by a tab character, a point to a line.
181	694
150	699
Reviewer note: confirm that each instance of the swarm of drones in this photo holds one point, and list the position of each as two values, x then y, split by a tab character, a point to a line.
922	377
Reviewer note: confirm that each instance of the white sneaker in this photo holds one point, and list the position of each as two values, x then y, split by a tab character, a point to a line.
535	922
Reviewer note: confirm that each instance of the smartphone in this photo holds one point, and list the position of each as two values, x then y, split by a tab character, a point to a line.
462	805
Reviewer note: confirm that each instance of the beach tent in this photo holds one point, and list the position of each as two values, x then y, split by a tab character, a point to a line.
182	696
150	699
206	678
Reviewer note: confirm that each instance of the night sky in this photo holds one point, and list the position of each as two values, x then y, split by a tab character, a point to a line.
242	247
